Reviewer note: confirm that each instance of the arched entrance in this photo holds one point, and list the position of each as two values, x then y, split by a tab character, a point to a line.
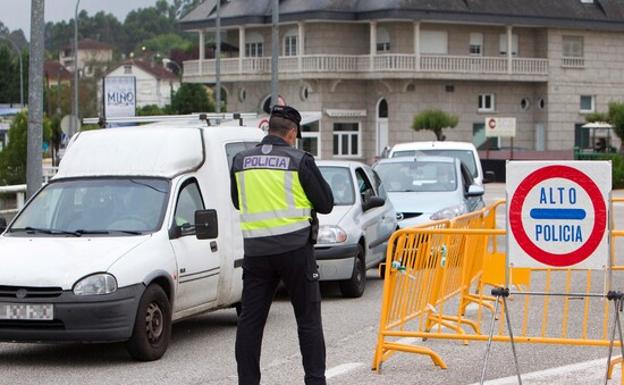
381	137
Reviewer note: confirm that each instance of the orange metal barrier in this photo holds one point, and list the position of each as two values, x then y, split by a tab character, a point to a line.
434	272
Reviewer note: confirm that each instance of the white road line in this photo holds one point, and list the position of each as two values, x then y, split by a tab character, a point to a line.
594	369
342	369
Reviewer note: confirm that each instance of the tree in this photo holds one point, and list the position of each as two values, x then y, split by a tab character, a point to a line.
616	118
434	120
190	98
13	157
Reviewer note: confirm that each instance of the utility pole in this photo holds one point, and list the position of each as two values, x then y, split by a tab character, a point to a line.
275	54
34	164
218	58
74	123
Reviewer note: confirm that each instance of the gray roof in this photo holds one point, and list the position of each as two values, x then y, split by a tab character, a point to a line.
602	14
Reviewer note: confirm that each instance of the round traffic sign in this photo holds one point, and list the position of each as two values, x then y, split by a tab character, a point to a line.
550	212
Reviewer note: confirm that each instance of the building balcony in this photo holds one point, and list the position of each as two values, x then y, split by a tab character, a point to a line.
370	67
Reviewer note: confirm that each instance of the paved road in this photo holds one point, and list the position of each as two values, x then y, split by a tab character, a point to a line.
202	352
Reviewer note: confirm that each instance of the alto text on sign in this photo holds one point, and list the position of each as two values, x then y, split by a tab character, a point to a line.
558	214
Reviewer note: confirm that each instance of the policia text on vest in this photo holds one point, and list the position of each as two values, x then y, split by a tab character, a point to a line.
278	189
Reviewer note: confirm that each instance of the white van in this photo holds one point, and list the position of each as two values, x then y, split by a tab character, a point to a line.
464	151
137	230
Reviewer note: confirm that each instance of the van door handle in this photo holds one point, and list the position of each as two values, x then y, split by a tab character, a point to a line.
213	246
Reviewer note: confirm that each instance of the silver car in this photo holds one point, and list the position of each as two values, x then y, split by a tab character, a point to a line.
424	189
354	236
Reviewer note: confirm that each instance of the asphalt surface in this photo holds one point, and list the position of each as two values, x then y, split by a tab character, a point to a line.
202	349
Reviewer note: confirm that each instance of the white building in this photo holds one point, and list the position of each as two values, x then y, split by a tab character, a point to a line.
154	84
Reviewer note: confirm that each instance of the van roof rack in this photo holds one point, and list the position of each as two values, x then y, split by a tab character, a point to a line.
204	116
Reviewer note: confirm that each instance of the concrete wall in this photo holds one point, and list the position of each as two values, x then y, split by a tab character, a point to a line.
602	77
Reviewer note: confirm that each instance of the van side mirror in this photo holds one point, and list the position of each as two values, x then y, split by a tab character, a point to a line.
206	224
373	202
475	191
3	224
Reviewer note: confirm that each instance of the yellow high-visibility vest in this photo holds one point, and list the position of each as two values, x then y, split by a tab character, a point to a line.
271	198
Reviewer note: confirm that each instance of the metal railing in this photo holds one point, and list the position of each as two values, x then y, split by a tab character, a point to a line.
380	63
573	62
19	192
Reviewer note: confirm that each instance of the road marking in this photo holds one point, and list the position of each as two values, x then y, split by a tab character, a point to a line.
589	371
342	369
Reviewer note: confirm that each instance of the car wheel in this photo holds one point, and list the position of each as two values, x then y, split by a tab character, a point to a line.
354	287
152	326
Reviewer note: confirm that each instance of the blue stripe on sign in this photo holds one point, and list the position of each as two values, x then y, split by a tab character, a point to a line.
578	214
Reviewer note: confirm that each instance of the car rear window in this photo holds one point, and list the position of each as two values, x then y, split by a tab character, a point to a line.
466	156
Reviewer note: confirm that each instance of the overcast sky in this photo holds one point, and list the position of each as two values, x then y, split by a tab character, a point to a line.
16	13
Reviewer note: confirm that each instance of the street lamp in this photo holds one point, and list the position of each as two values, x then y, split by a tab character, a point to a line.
19	55
75	106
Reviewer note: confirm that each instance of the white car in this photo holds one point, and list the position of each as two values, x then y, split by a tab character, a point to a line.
136	230
464	151
354	236
426	189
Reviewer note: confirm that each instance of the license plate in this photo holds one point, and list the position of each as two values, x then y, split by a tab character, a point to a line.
22	311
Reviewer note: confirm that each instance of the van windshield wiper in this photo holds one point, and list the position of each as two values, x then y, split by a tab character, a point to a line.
29	229
106	232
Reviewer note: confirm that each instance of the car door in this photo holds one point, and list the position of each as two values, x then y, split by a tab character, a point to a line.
198	260
370	218
388	223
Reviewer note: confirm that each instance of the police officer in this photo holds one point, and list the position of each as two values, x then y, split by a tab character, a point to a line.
278	190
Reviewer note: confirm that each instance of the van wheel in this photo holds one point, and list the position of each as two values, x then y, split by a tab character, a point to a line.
152	326
354	287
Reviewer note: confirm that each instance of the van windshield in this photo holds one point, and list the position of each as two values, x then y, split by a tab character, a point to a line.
99	206
466	156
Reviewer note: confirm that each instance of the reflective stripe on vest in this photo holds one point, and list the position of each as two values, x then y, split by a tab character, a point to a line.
272	202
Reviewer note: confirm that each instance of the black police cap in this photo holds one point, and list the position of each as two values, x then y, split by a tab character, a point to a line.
288	113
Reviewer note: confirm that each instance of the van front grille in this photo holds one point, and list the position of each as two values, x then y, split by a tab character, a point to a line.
21	292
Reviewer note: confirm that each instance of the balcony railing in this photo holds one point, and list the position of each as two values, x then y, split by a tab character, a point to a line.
573	62
362	64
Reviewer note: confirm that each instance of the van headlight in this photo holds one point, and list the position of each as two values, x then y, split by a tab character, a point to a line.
449	212
331	234
96	284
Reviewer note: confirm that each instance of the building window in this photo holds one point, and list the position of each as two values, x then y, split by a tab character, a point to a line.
572	46
311	139
502	44
347	139
127	68
383	40
433	42
486	103
255	45
525	104
290	43
304	93
242	95
587	104
541	103
476	44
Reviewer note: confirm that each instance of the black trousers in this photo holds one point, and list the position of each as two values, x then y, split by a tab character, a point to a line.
261	275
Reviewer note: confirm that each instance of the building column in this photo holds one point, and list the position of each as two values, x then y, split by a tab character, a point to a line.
241	48
202	54
373	44
509	50
417	44
300	44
